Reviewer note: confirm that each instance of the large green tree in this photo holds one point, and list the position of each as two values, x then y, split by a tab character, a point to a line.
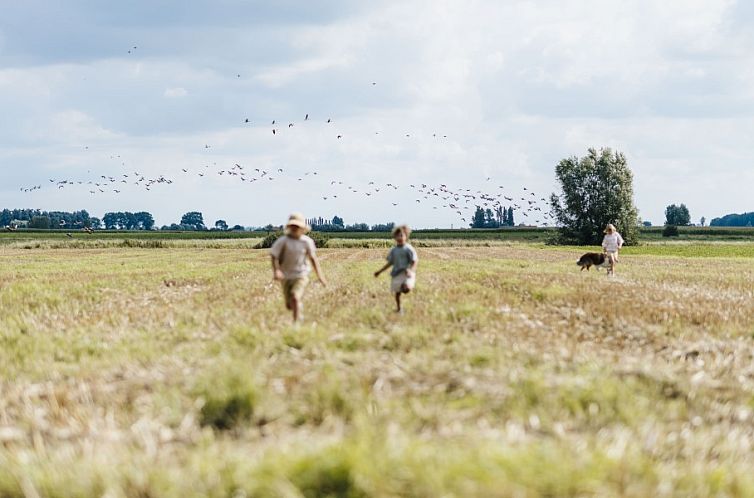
596	189
677	215
193	219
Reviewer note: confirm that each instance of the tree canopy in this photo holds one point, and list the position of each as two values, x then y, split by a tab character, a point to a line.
489	218
734	220
596	189
677	215
193	219
128	221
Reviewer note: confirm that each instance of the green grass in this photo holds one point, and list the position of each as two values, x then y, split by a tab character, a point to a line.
130	371
111	238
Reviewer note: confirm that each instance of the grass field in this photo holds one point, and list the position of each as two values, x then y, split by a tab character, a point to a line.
111	238
130	371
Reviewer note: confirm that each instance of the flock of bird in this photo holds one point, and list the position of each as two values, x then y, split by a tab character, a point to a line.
460	201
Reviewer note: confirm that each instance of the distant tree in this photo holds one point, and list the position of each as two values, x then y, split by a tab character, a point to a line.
238	228
129	220
94	223
647	223
383	227
40	222
478	220
677	215
144	220
221	225
502	215
337	221
511	221
702	221
490	221
596	190
193	219
5	217
110	221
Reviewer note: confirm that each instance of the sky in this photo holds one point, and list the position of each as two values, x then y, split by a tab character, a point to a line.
486	95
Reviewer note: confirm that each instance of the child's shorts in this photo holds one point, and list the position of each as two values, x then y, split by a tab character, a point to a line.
294	287
396	284
613	254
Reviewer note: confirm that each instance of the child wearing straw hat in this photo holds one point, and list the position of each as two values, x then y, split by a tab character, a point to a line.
291	255
611	244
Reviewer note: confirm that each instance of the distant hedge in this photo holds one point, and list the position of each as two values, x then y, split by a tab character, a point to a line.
320	240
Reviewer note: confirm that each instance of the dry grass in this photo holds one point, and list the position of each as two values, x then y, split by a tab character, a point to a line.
135	372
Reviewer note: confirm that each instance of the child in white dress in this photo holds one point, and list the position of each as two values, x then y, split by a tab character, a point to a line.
611	244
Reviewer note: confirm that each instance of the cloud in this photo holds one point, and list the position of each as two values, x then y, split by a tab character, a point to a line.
515	86
176	92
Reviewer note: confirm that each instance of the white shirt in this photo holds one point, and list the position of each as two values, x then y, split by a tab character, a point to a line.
612	242
293	255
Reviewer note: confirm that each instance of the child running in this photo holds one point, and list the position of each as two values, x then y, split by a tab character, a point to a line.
403	259
611	244
291	254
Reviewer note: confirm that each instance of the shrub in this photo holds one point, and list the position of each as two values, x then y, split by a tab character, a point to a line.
267	242
229	400
670	231
320	240
328	473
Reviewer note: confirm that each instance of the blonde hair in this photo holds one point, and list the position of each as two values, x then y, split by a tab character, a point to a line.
402	228
610	228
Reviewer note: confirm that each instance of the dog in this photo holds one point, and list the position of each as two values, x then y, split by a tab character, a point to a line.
596	259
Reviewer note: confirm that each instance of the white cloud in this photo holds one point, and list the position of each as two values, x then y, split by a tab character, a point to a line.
515	86
176	92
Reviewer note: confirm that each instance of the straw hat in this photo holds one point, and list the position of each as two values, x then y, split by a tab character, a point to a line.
297	220
610	228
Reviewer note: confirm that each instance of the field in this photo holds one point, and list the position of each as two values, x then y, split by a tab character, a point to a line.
131	370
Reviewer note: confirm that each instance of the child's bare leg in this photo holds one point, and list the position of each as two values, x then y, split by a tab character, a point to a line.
296	307
398	301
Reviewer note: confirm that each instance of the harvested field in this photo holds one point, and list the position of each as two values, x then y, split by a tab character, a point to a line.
136	371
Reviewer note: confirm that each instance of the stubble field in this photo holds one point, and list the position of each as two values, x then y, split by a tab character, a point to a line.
146	372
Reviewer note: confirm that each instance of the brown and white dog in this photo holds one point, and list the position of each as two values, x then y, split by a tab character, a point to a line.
596	259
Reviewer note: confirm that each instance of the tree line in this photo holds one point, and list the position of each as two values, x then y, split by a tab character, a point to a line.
36	218
489	218
336	224
734	220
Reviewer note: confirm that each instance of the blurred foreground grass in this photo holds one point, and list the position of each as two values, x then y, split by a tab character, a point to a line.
132	372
